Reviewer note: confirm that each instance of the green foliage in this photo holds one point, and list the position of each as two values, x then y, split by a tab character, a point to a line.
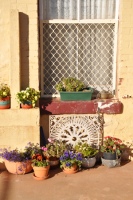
55	148
70	84
28	95
4	90
112	145
85	149
39	161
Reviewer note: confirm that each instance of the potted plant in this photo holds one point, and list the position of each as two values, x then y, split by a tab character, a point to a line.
28	97
88	152
70	162
73	89
111	151
40	166
4	96
53	150
18	161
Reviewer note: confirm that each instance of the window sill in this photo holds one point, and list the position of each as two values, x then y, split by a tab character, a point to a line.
55	106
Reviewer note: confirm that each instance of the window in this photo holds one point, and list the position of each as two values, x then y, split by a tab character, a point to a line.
78	39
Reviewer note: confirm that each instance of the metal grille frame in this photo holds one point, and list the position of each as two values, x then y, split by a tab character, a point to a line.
84	51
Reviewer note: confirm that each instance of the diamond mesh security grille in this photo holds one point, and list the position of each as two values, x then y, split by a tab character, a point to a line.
80	50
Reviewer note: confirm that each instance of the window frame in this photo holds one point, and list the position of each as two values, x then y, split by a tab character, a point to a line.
90	21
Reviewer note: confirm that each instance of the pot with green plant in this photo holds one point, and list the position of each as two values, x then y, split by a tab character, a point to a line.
111	151
40	166
88	152
70	162
73	89
53	150
28	97
4	96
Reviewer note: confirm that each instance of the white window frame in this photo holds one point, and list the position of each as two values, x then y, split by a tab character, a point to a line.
93	21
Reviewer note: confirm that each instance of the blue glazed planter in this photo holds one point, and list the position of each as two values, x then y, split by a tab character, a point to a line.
5	103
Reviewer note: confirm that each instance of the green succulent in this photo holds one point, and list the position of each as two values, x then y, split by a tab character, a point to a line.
70	84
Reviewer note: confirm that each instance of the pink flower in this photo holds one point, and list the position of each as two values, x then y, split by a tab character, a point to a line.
44	148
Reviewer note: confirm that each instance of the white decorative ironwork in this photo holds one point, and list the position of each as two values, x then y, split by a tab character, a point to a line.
75	128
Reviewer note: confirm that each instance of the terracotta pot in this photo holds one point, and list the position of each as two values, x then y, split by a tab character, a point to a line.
71	170
54	162
26	105
5	103
41	172
18	167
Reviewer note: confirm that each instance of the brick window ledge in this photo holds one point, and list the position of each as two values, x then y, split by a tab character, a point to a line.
56	107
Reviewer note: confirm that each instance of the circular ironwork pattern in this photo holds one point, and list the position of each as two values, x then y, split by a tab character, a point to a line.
73	129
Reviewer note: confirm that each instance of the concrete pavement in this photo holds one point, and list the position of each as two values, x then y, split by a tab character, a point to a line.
99	183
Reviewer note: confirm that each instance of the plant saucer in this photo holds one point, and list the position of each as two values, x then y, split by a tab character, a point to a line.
70	172
39	178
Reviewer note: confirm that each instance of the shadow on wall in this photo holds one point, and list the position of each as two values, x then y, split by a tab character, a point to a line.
24	50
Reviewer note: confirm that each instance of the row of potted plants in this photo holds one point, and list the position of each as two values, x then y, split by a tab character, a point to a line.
26	98
57	153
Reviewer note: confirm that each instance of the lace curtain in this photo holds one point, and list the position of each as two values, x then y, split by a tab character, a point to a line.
74	9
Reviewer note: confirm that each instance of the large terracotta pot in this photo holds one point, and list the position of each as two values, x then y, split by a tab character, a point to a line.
71	170
18	167
41	173
5	103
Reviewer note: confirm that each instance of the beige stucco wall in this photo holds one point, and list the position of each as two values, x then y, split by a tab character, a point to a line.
19	68
119	125
122	125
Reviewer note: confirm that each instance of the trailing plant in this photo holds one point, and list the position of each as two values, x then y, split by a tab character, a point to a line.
17	155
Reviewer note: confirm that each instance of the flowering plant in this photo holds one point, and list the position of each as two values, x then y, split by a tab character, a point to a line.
4	91
69	158
29	95
55	148
39	160
112	145
17	155
85	149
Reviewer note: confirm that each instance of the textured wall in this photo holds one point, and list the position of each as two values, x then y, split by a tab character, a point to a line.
19	68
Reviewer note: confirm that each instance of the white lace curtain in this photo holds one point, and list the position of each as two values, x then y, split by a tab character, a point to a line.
77	9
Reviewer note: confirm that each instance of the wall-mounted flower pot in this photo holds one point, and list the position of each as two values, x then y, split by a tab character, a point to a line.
5	103
26	105
85	95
